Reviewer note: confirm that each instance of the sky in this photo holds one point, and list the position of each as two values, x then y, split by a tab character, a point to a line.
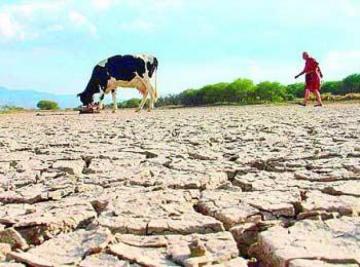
52	45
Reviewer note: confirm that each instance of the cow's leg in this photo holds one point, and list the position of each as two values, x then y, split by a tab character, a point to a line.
101	100
141	86
142	103
151	92
113	93
152	98
151	102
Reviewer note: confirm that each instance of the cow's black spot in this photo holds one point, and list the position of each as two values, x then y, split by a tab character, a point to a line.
124	67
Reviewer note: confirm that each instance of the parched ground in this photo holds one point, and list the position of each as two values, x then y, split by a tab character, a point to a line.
185	187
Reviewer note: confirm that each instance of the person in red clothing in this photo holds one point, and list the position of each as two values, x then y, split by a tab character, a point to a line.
312	79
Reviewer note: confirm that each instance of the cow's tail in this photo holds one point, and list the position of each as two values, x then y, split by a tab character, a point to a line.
156	91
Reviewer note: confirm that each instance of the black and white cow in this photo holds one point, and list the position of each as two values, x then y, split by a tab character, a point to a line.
129	71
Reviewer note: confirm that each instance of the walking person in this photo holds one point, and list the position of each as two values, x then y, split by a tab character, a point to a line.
313	76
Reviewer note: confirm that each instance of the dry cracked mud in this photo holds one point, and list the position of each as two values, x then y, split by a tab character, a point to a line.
224	186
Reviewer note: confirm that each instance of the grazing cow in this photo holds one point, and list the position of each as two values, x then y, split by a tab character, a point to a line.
131	71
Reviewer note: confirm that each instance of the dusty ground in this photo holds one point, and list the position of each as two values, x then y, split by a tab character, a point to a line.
279	184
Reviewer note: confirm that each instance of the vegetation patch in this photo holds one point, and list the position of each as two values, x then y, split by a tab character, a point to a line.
47	105
245	91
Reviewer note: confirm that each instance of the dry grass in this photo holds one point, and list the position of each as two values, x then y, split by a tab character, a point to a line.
336	98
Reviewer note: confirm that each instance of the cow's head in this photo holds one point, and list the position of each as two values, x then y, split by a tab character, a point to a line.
86	98
152	66
96	84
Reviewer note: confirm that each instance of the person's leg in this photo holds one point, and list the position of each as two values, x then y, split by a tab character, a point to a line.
306	97
318	98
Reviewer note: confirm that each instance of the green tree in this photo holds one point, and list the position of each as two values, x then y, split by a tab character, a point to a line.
191	97
171	100
212	94
295	89
351	84
244	91
47	105
240	91
333	87
271	91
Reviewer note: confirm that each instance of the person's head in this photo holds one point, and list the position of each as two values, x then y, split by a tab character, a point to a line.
305	55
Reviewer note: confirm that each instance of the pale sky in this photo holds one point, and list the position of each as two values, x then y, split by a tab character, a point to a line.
52	45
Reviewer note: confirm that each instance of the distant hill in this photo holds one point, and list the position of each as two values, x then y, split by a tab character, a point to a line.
29	98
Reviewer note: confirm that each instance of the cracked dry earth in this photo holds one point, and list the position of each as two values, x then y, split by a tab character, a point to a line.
224	186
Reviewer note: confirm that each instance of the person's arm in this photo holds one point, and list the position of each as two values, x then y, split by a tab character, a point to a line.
301	73
309	68
306	68
321	75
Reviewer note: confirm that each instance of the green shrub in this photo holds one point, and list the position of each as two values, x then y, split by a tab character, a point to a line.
131	103
8	108
332	87
244	91
271	91
171	100
296	89
47	105
351	84
240	91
